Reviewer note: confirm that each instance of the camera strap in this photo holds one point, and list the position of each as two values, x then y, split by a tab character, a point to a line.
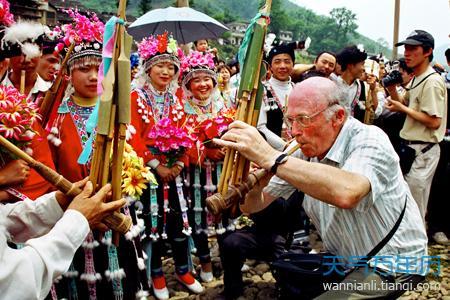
420	82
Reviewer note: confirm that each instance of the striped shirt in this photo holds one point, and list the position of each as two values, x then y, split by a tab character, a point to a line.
366	150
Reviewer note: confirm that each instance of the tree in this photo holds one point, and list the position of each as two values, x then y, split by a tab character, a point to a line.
145	6
345	23
279	20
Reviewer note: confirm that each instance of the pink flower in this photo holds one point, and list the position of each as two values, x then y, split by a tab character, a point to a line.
6	17
16	116
84	28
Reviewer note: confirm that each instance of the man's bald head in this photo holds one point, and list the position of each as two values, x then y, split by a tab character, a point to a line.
316	91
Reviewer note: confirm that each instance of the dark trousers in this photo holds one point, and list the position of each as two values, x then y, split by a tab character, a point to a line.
236	246
438	205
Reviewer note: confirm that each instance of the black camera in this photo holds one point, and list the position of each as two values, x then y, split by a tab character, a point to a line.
394	77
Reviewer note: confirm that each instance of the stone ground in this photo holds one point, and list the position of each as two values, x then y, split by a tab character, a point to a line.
260	283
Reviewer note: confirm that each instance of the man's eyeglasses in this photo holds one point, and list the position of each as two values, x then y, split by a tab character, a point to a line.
305	120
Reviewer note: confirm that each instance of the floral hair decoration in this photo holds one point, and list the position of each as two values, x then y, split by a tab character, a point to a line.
159	48
195	64
87	34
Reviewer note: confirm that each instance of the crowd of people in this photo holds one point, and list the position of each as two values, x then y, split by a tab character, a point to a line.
353	181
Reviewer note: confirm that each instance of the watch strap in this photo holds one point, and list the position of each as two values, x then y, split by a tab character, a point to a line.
280	160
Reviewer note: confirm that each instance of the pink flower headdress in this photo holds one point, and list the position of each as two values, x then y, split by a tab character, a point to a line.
159	48
6	17
87	34
197	63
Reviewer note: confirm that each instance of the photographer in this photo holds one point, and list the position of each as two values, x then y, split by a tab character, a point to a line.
392	122
425	106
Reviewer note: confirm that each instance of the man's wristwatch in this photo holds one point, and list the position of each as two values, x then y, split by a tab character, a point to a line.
279	161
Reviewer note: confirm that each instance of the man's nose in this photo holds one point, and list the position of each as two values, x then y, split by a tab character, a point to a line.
296	129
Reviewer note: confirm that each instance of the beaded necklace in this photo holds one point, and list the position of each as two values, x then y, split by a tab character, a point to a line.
151	106
202	112
80	116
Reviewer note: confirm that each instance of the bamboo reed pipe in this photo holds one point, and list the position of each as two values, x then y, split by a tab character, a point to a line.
107	148
218	203
96	160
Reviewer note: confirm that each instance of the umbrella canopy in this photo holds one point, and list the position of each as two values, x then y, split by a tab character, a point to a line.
184	23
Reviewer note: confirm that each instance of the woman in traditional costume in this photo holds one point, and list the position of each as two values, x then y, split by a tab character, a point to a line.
154	104
205	115
87	278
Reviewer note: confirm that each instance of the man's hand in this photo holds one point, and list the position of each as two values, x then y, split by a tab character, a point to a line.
14	173
176	170
248	141
63	200
393	105
371	81
94	208
165	173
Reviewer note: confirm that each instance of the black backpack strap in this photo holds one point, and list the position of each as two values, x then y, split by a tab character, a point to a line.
386	239
420	82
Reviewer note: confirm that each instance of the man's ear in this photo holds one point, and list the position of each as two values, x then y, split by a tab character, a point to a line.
338	117
428	52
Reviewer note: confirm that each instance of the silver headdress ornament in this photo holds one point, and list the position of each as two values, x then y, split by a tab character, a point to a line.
23	37
360	47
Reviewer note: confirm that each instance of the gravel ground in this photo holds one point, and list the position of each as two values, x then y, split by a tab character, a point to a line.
260	284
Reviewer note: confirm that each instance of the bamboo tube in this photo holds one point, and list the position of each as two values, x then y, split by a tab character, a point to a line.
228	170
218	203
116	221
105	167
96	160
242	161
228	156
22	82
248	90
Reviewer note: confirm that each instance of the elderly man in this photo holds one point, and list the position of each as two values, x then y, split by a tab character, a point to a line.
52	228
353	185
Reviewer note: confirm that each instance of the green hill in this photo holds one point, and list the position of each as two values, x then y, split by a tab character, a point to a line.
327	33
